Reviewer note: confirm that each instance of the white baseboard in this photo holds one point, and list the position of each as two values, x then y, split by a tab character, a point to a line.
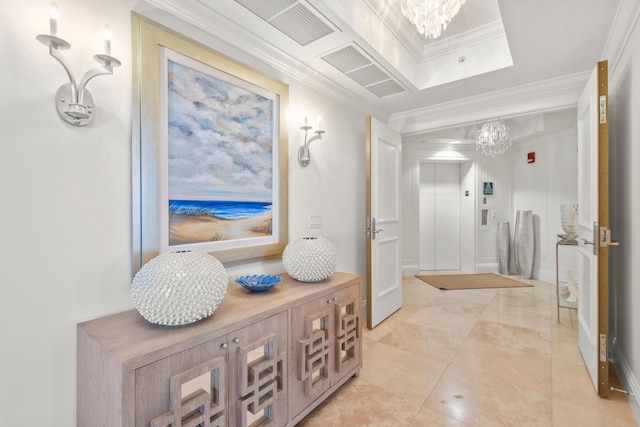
628	380
410	270
550	276
488	267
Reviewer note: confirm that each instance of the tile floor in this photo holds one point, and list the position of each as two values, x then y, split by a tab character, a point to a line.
490	357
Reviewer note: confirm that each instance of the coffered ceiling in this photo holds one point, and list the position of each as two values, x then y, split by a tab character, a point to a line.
365	53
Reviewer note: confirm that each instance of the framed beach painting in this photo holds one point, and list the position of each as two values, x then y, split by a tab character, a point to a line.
210	151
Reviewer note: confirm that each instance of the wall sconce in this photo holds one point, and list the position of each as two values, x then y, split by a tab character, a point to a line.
74	103
304	155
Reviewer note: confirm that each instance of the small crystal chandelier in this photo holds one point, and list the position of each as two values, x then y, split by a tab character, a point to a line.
431	17
494	138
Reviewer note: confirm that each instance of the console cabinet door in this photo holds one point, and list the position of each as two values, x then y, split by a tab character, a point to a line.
257	373
347	346
185	388
312	326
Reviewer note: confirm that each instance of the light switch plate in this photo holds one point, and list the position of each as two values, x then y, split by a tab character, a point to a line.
314	221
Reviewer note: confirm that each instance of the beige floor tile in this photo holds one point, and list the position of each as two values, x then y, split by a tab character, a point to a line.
390	323
511	337
400	372
440	318
358	403
483	364
428	342
497	404
431	418
572	384
570	414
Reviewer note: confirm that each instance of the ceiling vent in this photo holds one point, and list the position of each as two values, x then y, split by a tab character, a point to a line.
291	17
356	65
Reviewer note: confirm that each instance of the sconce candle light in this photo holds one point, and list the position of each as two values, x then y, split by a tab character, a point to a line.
73	101
304	155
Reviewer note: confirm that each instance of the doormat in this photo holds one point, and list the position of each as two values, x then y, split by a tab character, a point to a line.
471	281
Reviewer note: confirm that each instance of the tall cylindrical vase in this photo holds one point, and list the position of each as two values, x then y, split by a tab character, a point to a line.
524	244
503	240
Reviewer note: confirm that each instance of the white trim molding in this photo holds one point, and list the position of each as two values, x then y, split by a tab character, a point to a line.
550	95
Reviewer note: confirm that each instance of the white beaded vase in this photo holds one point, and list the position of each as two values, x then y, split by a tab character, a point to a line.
177	288
310	259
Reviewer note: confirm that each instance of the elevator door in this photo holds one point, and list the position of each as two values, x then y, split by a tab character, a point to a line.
440	198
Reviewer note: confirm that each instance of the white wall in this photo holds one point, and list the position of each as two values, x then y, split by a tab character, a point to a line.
542	186
66	208
624	202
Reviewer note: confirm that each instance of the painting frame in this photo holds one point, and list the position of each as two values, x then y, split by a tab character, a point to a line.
150	190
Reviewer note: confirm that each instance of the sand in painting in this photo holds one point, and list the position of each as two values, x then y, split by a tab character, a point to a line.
186	229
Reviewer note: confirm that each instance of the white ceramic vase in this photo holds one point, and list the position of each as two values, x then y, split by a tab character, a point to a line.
504	250
177	288
524	244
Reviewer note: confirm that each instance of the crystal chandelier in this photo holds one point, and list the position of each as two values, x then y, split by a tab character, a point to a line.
494	138
431	17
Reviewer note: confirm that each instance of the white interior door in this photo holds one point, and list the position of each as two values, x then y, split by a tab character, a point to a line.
592	227
440	212
384	275
448	216
427	216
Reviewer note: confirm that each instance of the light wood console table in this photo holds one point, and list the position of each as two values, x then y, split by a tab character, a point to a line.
260	359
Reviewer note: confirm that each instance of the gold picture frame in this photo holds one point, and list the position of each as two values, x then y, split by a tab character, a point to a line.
239	138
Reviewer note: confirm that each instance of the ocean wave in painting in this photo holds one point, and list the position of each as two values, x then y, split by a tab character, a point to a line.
224	209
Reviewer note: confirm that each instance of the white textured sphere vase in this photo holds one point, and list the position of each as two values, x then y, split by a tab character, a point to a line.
177	288
310	259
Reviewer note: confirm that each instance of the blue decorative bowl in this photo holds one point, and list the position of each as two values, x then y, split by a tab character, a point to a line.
259	283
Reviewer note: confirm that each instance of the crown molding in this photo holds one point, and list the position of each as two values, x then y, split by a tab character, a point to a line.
624	24
549	95
479	35
239	38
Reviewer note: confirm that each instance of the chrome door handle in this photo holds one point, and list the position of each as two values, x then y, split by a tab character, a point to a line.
373	229
595	237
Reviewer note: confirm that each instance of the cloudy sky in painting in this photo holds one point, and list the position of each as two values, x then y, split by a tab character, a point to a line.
220	138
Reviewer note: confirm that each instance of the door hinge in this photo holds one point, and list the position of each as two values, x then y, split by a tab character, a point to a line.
603	347
603	109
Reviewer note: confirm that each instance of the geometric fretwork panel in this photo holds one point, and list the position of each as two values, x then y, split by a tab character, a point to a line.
197	397
313	352
347	333
260	369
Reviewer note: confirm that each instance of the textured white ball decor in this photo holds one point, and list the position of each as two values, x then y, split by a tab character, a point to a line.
177	288
310	259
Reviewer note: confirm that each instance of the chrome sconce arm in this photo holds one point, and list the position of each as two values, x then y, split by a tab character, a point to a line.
73	101
304	154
